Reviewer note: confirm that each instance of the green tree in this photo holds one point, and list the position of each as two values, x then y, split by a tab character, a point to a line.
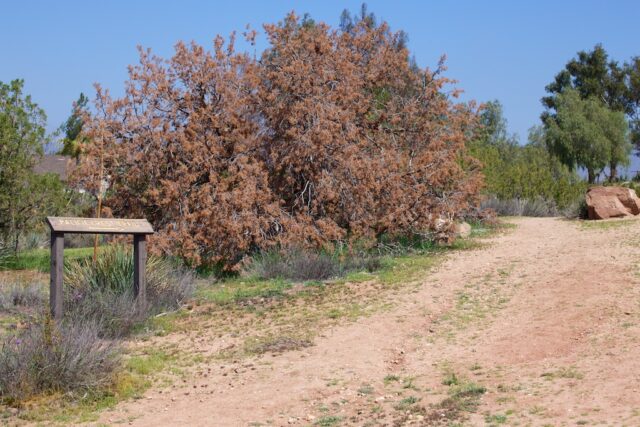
72	128
594	75
632	73
585	133
25	198
514	171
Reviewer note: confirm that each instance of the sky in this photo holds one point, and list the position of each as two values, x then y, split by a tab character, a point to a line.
504	50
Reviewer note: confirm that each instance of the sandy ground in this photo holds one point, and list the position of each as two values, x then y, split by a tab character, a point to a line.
546	318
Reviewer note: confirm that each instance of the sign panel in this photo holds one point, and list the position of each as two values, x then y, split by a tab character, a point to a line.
99	225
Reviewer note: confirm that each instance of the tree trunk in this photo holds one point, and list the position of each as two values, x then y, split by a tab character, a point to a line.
613	172
591	176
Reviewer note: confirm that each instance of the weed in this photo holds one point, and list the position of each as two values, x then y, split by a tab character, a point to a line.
103	291
405	403
365	389
408	384
463	397
328	421
521	207
495	419
48	358
565	372
278	344
15	295
607	224
450	379
391	378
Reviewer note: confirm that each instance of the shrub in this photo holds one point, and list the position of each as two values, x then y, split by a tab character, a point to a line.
103	292
537	207
34	240
29	295
295	265
47	358
577	209
306	265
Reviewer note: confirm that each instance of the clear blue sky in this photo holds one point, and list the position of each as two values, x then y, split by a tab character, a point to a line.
505	50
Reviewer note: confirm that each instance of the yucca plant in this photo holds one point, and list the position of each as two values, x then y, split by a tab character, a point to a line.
103	290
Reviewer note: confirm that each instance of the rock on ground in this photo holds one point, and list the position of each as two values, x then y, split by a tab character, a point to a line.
612	202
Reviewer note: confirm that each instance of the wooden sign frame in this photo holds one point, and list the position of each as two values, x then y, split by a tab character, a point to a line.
139	228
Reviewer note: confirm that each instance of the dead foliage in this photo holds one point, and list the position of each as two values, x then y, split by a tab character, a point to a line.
330	136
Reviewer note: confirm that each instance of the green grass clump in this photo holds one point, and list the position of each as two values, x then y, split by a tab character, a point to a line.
328	421
238	290
607	224
40	259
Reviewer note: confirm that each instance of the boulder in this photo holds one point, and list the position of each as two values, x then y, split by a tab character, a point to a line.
612	202
463	229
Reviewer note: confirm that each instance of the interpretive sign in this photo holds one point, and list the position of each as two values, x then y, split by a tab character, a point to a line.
140	228
99	225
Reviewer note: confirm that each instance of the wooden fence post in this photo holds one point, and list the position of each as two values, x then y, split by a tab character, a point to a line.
57	271
139	270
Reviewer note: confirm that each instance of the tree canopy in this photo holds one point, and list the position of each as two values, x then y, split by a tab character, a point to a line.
72	128
586	133
25	198
593	75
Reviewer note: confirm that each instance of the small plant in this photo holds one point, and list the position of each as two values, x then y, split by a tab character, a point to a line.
406	403
365	389
537	207
390	379
46	357
103	292
450	379
463	397
20	295
495	419
279	344
564	372
408	384
302	265
295	265
328	421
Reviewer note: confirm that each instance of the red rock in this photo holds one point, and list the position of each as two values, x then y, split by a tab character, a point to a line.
612	202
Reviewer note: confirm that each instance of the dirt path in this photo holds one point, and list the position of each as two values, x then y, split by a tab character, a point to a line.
545	321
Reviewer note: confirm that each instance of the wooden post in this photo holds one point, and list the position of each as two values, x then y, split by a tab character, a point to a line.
57	270
139	263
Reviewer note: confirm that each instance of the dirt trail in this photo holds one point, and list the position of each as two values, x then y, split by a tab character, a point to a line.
546	318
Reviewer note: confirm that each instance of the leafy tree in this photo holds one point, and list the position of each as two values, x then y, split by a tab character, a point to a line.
513	171
632	72
586	133
593	75
72	128
24	197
